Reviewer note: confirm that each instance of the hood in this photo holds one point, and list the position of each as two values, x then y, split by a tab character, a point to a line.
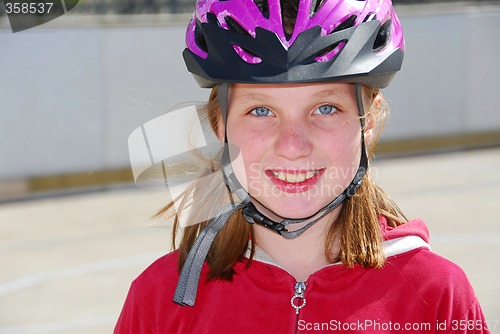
404	238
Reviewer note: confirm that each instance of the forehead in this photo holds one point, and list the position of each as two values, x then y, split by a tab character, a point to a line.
255	92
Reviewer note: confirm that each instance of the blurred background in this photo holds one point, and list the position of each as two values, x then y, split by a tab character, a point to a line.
74	228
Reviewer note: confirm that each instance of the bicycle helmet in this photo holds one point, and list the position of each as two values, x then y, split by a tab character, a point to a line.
357	41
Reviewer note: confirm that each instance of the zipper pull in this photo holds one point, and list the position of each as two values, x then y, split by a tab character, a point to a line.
298	300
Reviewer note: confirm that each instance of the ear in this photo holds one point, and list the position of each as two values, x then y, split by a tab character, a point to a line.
371	118
221	128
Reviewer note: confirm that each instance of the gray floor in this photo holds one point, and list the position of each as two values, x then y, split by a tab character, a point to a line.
66	263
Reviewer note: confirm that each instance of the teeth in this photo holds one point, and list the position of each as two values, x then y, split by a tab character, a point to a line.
291	178
294	178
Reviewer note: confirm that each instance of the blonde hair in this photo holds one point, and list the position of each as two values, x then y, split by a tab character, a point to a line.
356	229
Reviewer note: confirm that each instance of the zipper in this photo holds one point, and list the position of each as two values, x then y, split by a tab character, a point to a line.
298	301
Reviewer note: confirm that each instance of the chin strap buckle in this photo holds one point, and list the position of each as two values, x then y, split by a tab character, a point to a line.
253	216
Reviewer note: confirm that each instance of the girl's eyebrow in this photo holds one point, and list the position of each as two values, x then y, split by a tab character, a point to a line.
327	93
252	97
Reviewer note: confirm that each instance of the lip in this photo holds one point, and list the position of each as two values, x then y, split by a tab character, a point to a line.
294	187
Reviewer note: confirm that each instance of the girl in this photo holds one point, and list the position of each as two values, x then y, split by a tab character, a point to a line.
306	240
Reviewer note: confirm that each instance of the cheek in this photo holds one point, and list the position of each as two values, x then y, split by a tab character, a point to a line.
342	151
238	165
248	142
245	153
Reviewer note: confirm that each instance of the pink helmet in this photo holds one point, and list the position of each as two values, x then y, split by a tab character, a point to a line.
357	41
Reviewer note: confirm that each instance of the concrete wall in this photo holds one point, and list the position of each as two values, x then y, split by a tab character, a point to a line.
70	96
450	78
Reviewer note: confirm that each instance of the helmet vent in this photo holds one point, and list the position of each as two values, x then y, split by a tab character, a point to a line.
348	23
329	52
212	18
315	7
235	26
199	38
247	55
263	6
383	36
289	12
370	17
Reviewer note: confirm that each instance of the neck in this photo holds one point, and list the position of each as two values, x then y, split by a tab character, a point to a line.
301	256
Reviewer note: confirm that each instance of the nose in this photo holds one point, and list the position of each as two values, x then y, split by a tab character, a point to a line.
293	139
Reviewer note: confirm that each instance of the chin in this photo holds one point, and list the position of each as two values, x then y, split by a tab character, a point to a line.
290	209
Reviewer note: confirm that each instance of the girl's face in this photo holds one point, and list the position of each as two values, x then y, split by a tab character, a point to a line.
299	144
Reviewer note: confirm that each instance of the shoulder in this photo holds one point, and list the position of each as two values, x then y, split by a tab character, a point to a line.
410	251
165	265
148	296
160	277
413	264
433	280
445	284
407	249
425	266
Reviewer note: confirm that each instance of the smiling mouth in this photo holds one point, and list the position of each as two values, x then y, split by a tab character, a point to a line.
295	177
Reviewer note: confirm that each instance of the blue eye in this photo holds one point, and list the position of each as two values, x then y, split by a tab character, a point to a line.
325	110
261	111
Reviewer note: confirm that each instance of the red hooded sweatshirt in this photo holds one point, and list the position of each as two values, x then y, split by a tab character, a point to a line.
416	291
